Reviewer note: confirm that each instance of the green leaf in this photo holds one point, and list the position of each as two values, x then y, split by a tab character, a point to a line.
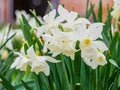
50	5
7	41
114	42
26	30
84	76
54	78
111	80
93	12
34	15
25	85
77	66
89	11
113	63
100	11
21	87
6	84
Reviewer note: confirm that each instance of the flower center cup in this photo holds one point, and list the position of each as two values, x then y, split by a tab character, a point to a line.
100	58
87	41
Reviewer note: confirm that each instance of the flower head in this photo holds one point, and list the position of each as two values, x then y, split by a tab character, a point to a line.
37	63
21	62
71	22
59	42
116	9
90	46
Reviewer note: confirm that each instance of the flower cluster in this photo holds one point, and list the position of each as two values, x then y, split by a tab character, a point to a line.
37	63
59	33
116	9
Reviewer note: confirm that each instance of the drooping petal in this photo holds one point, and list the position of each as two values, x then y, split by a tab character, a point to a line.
82	21
100	46
46	69
116	13
62	11
41	30
50	16
50	59
37	66
16	62
20	63
31	53
94	64
100	58
73	15
95	30
22	51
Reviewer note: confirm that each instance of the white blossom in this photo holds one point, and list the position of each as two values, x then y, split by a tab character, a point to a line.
39	63
70	19
90	46
116	9
59	42
21	62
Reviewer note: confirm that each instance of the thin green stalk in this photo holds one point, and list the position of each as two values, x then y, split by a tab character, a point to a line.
96	72
64	74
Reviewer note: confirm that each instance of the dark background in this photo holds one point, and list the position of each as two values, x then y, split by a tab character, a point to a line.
40	6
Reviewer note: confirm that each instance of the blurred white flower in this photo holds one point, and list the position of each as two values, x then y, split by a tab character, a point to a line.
101	59
39	63
59	42
4	54
116	4
33	22
18	14
21	62
90	46
93	56
90	34
4	36
51	21
70	19
116	9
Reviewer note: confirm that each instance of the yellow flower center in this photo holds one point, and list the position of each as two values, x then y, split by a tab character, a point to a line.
99	50
100	58
26	56
87	41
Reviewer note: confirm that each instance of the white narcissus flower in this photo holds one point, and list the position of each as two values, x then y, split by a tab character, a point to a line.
4	36
39	63
70	19
51	21
90	34
116	4
41	31
116	13
59	42
31	20
18	14
116	9
21	62
90	46
101	59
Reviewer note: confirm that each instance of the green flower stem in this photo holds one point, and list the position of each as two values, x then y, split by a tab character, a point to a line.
77	65
96	72
65	81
